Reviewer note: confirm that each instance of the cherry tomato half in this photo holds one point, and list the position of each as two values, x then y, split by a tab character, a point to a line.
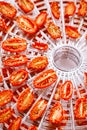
70	9
32	128
26	24
38	109
82	11
5	97
55	10
41	19
72	32
18	77
1	79
45	79
15	124
85	78
38	63
56	113
25	100
7	9
66	90
81	108
26	5
14	45
15	60
5	114
53	30
3	26
40	46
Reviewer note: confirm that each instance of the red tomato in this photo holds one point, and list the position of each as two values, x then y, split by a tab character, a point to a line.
53	30
41	19
56	113
26	24
3	26
5	97
85	78
66	90
55	10
45	79
82	11
7	9
15	124
1	79
38	109
38	63
25	100
70	9
72	32
5	114
18	77
81	108
14	44
15	60
26	5
40	46
32	128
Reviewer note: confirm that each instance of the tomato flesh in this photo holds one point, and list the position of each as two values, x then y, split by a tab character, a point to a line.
55	10
32	128
3	26
40	46
82	11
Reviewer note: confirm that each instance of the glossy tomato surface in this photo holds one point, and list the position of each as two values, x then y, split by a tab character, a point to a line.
14	44
32	128
55	10
82	10
40	46
38	109
3	26
45	79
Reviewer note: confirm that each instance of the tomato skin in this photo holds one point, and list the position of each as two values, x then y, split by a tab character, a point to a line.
18	77
55	10
32	128
66	90
41	19
25	100
5	97
38	63
14	45
45	79
15	124
3	26
26	5
53	30
5	114
72	32
15	60
38	109
56	113
26	24
40	46
1	79
82	10
85	78
7	10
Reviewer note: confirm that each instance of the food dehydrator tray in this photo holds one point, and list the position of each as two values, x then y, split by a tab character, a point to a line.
71	53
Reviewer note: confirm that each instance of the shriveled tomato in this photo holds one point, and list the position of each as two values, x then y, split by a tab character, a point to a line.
38	63
38	109
32	128
40	46
18	77
56	113
70	9
26	24
15	124
55	10
66	90
53	30
5	114
85	78
1	79
82	10
5	97
25	100
15	60
7	9
45	79
3	26
26	5
14	44
72	32
81	108
41	19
